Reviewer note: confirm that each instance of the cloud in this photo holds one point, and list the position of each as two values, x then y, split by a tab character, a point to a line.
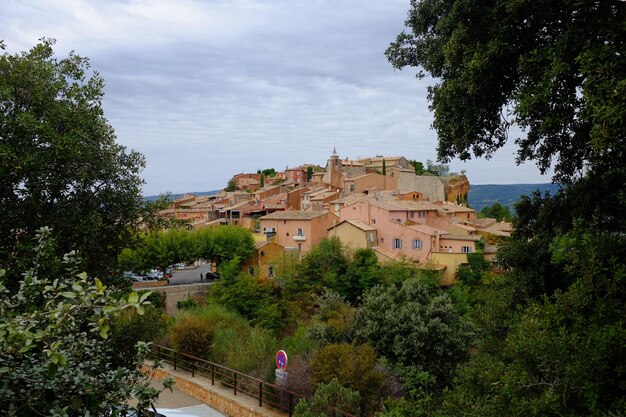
206	89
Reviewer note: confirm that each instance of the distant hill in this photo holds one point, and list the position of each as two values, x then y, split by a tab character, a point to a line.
177	196
485	195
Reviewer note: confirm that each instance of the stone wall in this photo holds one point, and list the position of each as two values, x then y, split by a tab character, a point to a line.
176	293
431	187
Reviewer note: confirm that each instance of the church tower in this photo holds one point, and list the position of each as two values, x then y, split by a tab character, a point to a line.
333	170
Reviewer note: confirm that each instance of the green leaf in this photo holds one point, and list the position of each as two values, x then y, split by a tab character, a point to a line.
68	294
133	298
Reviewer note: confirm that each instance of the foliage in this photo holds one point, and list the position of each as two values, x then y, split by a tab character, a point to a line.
324	264
558	75
214	333
415	325
192	334
188	304
231	185
354	366
330	400
253	299
59	164
496	211
160	249
439	170
562	355
362	274
56	355
334	322
130	328
477	265
419	166
268	172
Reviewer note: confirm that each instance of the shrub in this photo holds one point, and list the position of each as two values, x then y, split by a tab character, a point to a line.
192	334
330	400
353	366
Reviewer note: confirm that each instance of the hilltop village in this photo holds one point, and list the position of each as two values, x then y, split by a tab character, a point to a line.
379	203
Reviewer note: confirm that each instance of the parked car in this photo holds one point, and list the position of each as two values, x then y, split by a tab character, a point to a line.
210	276
155	274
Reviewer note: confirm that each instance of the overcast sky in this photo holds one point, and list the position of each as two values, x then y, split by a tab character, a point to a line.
209	88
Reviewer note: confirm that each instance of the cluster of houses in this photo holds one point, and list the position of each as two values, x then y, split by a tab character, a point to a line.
378	203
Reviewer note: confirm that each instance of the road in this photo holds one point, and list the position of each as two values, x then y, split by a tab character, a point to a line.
189	276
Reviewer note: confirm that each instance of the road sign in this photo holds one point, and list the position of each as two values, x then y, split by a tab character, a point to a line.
281	360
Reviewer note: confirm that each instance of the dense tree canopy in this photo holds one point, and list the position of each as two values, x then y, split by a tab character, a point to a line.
556	69
59	163
56	354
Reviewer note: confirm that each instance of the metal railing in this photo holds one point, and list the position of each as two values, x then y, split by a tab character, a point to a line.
269	394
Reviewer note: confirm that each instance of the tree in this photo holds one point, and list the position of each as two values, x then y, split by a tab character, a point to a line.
59	164
419	167
362	274
414	325
496	211
324	264
231	186
384	168
56	355
309	173
557	74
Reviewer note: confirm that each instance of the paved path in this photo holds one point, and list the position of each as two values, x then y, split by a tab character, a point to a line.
171	403
189	276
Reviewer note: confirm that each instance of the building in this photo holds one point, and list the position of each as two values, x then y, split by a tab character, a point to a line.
297	229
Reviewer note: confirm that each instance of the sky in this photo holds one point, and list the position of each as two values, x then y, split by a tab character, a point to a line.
207	89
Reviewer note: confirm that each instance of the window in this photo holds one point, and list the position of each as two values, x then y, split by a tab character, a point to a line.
466	249
421	214
251	270
416	244
284	221
373	221
399	220
300	247
300	232
287	233
352	187
397	244
270	271
411	214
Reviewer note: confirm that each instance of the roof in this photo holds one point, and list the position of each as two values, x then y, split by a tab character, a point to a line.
363	176
350	198
358	224
293	215
404	205
429	230
469	238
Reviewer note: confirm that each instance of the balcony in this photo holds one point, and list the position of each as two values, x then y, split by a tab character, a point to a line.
299	238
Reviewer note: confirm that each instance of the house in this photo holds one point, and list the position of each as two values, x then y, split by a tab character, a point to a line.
266	255
296	175
298	229
248	182
365	183
354	234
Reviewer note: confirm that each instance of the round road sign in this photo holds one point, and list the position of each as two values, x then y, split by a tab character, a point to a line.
281	360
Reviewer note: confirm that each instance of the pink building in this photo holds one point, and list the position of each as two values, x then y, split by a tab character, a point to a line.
298	229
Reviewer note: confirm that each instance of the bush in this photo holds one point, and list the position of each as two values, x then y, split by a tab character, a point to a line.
192	334
353	366
330	400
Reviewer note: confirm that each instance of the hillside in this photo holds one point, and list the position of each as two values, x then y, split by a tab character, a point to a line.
506	194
